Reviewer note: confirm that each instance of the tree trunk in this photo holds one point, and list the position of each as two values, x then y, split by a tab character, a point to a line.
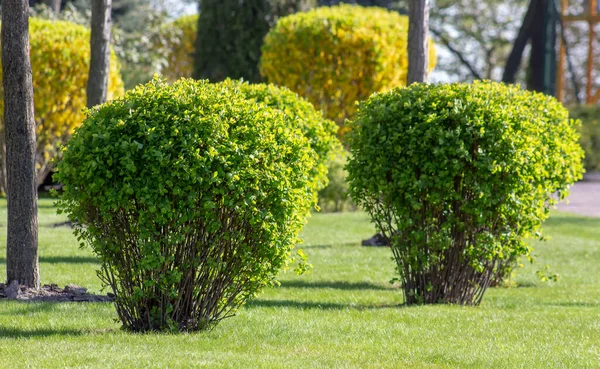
22	227
97	85
54	5
418	46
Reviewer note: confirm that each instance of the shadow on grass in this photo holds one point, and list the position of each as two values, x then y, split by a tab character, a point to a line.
339	285
9	332
573	304
304	305
25	308
330	245
62	259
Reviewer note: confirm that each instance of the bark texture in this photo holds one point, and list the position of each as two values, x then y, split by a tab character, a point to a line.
418	46
22	226
97	86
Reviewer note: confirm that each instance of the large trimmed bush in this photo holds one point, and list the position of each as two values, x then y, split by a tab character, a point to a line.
335	56
457	176
590	134
60	53
191	195
180	48
320	132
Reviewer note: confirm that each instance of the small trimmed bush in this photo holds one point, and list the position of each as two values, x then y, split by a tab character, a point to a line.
457	176
60	55
590	134
191	196
334	197
335	56
320	132
181	48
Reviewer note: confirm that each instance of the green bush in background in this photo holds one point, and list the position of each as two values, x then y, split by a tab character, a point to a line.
334	197
231	33
180	48
457	176
590	134
191	195
335	56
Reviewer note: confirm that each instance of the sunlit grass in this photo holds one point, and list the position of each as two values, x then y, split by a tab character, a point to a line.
344	314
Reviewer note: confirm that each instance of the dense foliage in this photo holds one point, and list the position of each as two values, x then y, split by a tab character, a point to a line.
319	131
335	56
191	195
231	33
60	53
181	48
456	176
590	134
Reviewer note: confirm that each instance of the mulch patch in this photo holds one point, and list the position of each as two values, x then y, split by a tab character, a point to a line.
51	292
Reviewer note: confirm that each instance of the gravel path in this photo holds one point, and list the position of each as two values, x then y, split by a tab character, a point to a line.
584	199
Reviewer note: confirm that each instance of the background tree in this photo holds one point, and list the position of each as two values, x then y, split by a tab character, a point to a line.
22	238
97	86
418	42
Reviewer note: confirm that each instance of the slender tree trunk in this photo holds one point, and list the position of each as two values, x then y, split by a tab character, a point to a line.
97	86
54	5
514	59
418	46
22	227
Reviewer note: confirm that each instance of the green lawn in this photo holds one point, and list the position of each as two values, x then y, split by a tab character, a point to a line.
343	315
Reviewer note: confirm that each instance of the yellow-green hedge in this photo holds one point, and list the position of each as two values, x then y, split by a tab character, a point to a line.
181	48
60	53
335	56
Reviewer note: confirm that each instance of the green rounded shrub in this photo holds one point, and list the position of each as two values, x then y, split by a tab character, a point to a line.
457	176
320	132
192	197
590	134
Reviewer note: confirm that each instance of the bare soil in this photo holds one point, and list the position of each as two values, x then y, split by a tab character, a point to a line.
71	293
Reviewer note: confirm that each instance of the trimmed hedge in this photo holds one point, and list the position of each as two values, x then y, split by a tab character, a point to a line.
335	56
457	176
334	198
191	195
60	54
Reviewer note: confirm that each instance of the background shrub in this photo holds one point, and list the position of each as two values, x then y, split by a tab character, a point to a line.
231	33
334	197
60	53
191	195
335	56
590	134
180	48
319	131
456	176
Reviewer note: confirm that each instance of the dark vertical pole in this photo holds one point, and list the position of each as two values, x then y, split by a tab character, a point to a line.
22	224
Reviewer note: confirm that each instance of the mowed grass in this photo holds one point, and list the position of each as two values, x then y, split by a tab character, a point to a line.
344	314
